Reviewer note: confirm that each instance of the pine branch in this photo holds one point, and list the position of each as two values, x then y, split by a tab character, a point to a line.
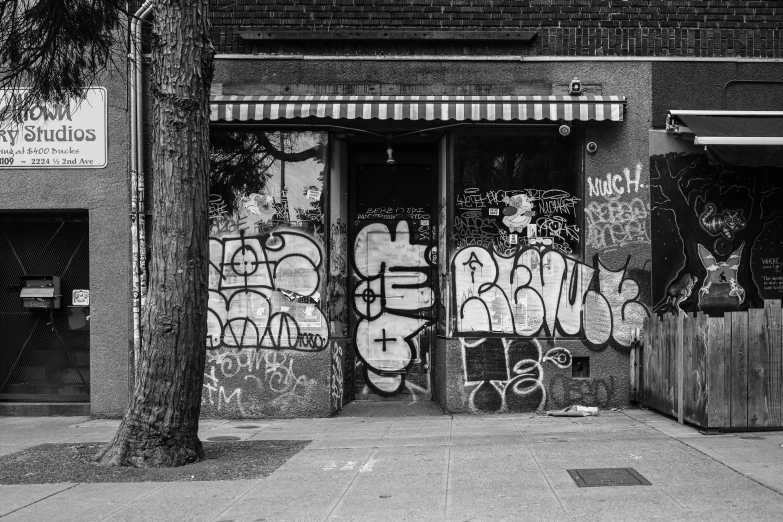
54	49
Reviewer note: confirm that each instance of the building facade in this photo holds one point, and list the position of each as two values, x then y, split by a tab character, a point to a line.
476	203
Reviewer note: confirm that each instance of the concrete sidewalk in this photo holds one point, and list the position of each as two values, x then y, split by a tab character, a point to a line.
432	467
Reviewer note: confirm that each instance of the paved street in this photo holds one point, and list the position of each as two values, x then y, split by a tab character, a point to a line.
365	465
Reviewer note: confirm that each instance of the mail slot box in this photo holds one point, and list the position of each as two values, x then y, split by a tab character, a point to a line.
40	291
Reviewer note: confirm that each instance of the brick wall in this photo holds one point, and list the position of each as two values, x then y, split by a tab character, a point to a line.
566	27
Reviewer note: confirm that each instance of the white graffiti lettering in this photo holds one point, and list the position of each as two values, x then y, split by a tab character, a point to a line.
264	292
271	371
392	297
617	222
612	184
543	293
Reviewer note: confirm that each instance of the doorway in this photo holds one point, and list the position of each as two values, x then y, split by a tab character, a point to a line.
45	353
393	274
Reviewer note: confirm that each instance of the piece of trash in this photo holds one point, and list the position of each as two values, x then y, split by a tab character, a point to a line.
574	411
615	409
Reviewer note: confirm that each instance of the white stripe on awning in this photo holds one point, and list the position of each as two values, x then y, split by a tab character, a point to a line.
461	108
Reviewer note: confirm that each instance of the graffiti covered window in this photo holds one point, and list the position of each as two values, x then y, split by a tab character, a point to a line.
268	179
517	235
515	190
266	266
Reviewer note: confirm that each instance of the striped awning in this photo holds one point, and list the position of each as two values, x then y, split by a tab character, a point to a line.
458	108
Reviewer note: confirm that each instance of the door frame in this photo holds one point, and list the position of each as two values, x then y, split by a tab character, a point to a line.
408	153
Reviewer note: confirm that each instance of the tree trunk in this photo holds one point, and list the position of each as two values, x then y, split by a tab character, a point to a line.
160	427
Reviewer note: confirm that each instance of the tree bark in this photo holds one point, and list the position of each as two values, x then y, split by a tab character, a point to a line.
160	428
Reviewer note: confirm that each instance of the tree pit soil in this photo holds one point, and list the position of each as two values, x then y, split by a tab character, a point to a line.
234	460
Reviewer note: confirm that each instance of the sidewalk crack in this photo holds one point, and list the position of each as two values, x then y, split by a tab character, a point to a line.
447	500
533	456
39	500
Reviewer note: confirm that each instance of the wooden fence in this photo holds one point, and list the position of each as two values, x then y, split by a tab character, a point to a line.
716	372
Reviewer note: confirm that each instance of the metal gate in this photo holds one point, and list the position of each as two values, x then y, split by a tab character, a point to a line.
44	353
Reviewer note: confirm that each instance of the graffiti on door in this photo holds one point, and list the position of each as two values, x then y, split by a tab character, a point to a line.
393	299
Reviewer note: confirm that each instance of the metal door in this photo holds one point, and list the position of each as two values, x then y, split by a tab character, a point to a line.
393	276
45	353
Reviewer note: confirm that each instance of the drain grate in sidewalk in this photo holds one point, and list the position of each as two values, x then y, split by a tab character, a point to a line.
599	477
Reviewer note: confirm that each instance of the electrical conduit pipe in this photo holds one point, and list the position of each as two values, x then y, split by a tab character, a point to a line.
138	219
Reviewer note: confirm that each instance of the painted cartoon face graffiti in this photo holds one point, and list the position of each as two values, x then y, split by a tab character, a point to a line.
721	290
542	292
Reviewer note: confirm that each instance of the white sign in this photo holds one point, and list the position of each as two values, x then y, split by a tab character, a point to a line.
80	298
56	136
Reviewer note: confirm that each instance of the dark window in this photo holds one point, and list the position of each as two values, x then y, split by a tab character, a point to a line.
261	180
514	190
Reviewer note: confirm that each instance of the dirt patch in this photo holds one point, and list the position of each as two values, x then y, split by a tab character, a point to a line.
235	460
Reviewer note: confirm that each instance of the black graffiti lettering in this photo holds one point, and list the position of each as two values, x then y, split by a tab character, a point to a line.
393	299
508	374
264	291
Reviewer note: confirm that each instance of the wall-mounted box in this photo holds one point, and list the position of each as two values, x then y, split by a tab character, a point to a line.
40	291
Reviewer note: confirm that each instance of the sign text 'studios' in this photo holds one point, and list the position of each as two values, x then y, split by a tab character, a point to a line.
64	133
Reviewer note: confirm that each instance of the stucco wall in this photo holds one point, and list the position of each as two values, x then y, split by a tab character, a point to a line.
552	389
700	86
269	383
104	194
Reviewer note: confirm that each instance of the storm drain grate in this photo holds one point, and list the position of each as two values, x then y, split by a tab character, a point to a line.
599	477
222	438
246	427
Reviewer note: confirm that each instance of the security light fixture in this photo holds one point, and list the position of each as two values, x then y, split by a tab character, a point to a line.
564	130
575	87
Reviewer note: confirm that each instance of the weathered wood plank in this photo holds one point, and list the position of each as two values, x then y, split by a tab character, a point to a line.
651	393
699	370
664	365
644	376
773	379
641	376
662	370
655	364
739	369
756	367
671	364
680	362
633	374
717	403
689	377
